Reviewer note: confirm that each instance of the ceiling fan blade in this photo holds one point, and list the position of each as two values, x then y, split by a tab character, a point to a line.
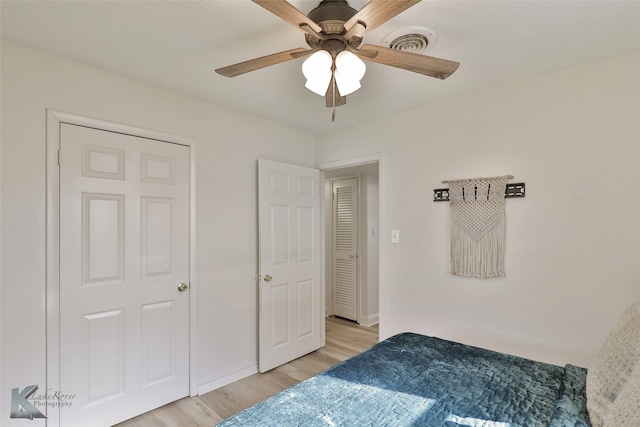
306	52
367	54
340	100
257	63
427	65
286	11
377	12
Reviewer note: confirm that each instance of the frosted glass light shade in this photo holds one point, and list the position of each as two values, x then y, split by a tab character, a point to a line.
317	71
349	71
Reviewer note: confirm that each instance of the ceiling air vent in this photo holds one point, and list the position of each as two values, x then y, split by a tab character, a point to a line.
411	39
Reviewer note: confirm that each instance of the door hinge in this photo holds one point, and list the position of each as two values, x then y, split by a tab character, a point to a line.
59	155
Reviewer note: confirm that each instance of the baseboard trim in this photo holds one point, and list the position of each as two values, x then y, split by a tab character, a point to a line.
371	320
214	384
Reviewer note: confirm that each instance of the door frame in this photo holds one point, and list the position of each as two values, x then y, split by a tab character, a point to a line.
52	289
359	161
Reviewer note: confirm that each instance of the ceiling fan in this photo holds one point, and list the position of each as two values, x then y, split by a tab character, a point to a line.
334	31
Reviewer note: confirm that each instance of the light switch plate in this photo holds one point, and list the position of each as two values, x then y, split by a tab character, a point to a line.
395	236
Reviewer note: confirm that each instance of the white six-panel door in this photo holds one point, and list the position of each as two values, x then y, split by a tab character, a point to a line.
291	302
124	250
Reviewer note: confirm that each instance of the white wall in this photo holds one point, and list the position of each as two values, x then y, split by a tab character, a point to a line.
573	243
368	255
229	144
372	313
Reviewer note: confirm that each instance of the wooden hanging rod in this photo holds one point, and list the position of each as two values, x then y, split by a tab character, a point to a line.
512	190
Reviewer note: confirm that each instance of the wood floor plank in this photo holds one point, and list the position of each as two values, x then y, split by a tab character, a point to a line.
199	412
344	339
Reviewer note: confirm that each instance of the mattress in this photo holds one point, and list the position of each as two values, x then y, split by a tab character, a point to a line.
416	380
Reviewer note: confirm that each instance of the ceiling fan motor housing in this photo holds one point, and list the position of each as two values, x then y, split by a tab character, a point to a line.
331	15
332	10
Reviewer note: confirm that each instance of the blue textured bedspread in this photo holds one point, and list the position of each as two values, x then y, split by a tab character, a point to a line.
415	380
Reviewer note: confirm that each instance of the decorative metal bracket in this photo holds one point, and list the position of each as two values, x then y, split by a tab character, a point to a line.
511	191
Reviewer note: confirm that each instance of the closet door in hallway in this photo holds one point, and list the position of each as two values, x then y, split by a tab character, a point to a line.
345	256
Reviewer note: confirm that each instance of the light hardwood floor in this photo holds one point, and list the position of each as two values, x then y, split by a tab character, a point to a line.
343	340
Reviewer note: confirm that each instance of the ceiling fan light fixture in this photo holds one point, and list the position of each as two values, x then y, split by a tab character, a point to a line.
334	31
317	71
349	71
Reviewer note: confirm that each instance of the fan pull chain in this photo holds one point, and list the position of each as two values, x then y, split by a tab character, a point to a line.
333	78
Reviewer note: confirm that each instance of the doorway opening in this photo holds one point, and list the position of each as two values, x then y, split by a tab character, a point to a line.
352	224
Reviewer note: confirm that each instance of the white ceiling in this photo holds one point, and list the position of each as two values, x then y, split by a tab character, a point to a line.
178	44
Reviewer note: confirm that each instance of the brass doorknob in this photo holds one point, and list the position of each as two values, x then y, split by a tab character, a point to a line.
182	287
267	278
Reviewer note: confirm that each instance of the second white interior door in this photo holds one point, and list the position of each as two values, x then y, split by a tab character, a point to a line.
291	297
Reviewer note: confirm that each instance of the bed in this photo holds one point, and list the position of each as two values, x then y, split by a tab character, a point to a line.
416	380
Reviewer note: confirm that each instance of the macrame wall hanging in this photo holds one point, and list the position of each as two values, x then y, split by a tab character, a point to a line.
478	226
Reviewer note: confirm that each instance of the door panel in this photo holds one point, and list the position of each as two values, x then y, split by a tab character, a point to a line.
124	247
290	296
103	354
102	237
157	342
305	308
156	221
